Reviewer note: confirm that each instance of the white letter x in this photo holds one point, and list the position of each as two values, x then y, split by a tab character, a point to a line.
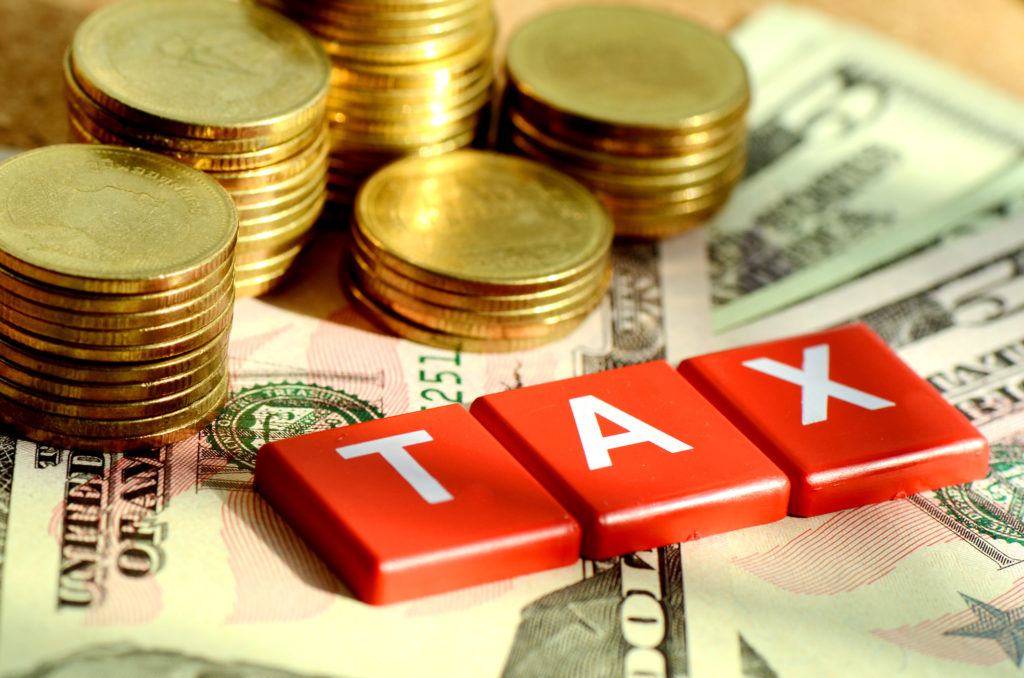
816	386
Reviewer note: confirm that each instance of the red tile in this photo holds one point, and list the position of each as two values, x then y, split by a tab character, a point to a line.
415	504
638	456
848	421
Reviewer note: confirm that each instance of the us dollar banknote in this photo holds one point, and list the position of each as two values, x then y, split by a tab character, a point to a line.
860	153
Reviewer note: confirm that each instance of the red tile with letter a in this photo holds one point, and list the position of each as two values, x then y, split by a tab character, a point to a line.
638	456
843	416
415	504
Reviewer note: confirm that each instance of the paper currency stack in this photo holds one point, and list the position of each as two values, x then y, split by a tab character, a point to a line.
644	107
408	77
116	295
478	251
237	91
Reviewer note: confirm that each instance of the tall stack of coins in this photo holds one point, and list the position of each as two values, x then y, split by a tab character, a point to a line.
478	251
409	77
644	107
116	296
234	90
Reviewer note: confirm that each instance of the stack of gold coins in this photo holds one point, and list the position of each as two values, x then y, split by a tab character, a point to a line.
234	90
116	293
644	107
409	77
478	251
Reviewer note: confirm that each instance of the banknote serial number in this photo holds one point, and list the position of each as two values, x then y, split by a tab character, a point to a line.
441	380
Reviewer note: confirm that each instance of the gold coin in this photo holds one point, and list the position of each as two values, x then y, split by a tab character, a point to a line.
287	232
256	227
482	222
111	220
123	373
669	160
628	68
209	69
111	411
591	135
85	128
113	304
263	281
119	320
313	176
367	17
116	392
481	323
275	204
121	354
425	50
352	29
271	175
435	74
367	265
117	436
706	178
82	106
396	324
125	337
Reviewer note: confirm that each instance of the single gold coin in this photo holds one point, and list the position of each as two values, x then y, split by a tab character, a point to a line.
668	160
113	392
113	374
113	304
114	321
125	337
158	350
311	178
277	173
418	51
82	107
111	220
480	221
87	129
398	325
210	69
281	201
481	323
627	67
367	265
116	436
107	410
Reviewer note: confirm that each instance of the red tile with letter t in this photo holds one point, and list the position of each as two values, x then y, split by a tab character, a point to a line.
638	456
415	504
843	415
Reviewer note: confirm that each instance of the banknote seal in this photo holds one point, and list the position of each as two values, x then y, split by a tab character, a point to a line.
262	413
991	506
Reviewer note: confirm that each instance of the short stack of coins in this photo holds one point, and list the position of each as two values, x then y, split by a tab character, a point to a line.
116	294
237	91
478	251
409	77
644	107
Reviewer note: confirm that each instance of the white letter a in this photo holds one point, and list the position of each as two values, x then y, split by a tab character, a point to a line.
595	445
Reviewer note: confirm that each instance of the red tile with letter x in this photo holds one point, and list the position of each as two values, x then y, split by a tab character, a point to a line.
848	421
415	504
638	456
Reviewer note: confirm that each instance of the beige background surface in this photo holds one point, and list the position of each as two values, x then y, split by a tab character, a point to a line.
982	37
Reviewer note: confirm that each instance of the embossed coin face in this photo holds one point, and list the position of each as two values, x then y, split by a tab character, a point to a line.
627	66
201	67
484	218
110	219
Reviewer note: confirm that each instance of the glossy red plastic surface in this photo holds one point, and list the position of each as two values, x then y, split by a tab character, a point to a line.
638	456
415	504
843	416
